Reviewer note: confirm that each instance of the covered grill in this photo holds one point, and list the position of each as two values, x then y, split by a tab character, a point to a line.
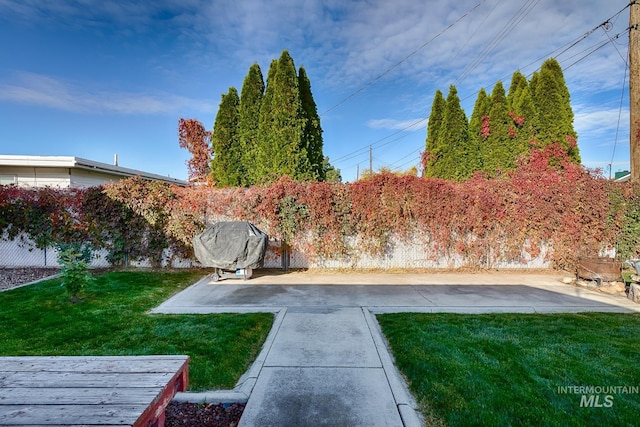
231	245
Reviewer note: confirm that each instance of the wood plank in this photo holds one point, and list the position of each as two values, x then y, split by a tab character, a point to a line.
92	364
95	390
80	396
156	411
69	414
83	380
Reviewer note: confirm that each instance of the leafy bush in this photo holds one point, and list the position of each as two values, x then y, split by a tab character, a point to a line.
73	260
629	238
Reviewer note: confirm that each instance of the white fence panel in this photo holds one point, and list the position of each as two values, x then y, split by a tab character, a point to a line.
22	252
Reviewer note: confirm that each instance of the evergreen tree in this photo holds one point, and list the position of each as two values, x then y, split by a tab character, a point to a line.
452	149
497	151
249	115
312	137
533	85
523	113
478	127
262	165
281	126
226	164
518	83
434	125
331	174
555	114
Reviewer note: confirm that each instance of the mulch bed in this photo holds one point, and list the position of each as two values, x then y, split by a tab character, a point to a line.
186	414
12	277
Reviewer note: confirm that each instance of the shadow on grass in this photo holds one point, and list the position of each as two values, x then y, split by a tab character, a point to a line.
110	319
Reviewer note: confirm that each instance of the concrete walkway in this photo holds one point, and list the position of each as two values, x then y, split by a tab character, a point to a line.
325	361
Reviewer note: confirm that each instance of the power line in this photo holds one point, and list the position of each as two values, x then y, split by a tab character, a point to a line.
476	30
378	141
497	39
520	15
387	143
596	48
396	65
614	45
615	141
399	166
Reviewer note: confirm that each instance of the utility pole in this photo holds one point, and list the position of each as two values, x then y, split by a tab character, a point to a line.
634	88
371	160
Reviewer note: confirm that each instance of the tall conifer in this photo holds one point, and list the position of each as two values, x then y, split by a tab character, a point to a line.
452	140
226	165
312	136
555	114
281	126
518	83
497	154
249	116
263	165
478	125
438	107
523	113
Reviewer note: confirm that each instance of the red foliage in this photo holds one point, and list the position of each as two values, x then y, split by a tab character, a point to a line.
485	128
193	136
571	141
548	204
517	120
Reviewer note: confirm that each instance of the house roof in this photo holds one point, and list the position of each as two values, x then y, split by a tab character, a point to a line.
80	163
622	176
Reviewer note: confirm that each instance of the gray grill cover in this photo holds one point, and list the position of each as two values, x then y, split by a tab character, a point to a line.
231	245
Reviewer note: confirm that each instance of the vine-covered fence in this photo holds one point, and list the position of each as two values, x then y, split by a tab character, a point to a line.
536	216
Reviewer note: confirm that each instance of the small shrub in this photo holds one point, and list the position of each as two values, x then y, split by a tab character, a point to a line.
73	260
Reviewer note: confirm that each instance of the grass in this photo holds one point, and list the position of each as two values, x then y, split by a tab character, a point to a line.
509	369
111	319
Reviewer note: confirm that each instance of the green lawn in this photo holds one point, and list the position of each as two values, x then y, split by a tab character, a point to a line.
514	369
111	319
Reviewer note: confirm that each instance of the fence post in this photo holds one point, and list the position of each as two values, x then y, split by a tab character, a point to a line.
285	256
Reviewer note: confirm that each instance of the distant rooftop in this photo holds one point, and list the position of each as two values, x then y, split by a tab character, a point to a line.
622	176
80	163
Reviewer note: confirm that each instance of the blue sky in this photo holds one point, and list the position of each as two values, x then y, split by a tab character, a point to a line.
90	78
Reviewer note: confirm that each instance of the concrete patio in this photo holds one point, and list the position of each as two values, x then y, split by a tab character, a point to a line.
325	361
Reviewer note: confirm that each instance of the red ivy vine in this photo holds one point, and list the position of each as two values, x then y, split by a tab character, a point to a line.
564	206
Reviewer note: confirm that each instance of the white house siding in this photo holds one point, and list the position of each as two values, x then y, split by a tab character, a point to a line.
54	177
84	178
65	171
37	177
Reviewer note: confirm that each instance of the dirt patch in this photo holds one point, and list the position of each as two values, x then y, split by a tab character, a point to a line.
12	277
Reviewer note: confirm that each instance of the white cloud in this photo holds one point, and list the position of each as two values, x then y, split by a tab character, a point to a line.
353	42
45	91
349	44
595	120
392	124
